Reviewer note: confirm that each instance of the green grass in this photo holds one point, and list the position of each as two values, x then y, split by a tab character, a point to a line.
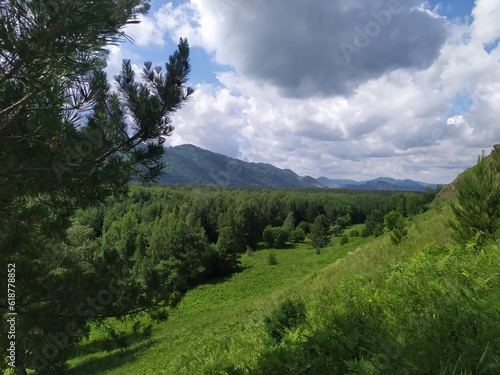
218	327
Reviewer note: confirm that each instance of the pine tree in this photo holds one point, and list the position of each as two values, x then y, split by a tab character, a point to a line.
231	241
399	230
68	140
289	223
478	196
319	232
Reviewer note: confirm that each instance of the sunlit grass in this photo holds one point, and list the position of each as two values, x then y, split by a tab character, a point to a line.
219	325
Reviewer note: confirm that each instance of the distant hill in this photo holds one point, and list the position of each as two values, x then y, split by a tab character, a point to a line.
381	183
189	164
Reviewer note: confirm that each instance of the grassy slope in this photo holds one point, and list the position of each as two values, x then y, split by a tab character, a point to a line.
220	325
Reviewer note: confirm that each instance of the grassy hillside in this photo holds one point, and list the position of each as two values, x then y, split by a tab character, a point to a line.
218	328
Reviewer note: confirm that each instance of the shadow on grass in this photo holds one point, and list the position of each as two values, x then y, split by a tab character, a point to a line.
110	361
109	343
288	246
221	279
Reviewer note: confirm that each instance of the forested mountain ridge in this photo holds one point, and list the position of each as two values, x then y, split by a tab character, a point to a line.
380	183
189	164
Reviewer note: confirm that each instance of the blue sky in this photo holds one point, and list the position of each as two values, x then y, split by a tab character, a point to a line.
452	9
356	89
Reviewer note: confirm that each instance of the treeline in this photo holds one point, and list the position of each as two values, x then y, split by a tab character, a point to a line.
140	252
197	233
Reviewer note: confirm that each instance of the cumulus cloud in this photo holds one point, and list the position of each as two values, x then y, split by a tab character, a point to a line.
116	55
145	32
487	28
294	100
317	47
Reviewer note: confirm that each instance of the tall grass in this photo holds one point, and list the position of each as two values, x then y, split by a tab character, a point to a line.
218	328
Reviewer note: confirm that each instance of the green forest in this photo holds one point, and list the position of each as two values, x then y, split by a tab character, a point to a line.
108	272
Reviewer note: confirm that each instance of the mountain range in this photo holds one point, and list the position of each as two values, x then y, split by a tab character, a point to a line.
189	164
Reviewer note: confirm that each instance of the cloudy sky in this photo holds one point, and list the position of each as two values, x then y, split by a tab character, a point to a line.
344	89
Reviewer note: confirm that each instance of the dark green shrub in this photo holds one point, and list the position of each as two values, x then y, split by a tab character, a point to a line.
343	221
267	235
399	232
354	233
365	232
391	219
374	224
275	237
280	236
378	230
271	259
304	226
297	235
336	230
344	240
289	314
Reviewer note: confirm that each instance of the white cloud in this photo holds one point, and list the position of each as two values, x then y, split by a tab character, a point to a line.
318	47
486	14
115	59
146	32
392	120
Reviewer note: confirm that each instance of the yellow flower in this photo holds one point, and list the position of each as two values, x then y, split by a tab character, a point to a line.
370	300
465	273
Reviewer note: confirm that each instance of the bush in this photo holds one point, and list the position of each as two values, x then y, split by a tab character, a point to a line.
267	235
275	237
289	314
378	230
280	236
336	230
374	224
438	313
297	235
399	232
354	233
365	232
344	240
391	219
272	260
304	226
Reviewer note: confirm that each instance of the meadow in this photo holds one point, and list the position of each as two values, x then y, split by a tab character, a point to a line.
218	327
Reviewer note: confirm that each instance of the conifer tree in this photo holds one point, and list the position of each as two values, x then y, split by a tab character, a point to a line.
319	232
69	139
477	212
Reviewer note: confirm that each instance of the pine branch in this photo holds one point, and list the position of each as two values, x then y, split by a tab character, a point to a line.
31	54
